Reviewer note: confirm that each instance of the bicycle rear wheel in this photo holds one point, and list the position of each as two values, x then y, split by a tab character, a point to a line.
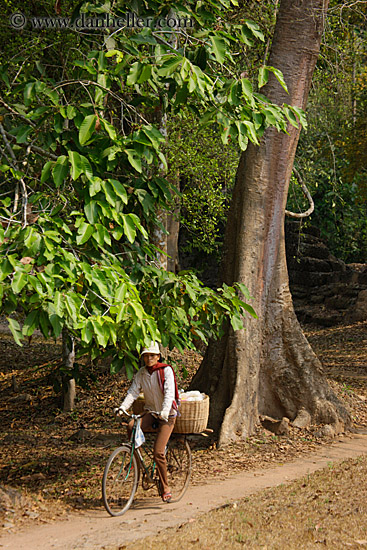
178	467
120	481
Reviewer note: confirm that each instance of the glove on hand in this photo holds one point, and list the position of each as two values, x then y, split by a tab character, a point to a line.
164	415
120	411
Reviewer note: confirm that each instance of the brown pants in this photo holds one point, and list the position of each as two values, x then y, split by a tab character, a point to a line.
164	431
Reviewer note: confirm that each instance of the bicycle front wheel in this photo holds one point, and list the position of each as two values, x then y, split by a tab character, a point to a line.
178	467
120	481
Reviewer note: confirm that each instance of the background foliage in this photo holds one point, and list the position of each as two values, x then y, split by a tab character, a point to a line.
332	154
83	164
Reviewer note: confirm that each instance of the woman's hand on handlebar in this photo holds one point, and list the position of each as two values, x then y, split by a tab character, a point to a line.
120	411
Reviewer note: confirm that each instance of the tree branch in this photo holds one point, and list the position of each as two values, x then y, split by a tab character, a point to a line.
34	148
24	188
107	90
11	110
307	194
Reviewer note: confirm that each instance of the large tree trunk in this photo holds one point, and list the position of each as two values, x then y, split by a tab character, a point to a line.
269	368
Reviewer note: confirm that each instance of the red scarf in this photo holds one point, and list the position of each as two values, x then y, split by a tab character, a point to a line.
160	368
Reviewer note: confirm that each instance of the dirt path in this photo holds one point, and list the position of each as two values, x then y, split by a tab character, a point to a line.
96	531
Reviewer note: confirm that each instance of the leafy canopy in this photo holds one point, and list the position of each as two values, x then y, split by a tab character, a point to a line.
82	177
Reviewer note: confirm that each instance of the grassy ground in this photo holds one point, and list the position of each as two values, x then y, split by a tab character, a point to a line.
325	510
52	463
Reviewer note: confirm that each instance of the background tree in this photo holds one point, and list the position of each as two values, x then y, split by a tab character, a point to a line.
269	368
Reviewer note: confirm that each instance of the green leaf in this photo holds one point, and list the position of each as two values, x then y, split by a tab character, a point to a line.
246	36
56	324
236	322
112	53
219	46
44	323
129	228
19	281
101	331
60	170
117	233
145	199
248	92
71	306
46	171
116	365
242	136
134	159
59	303
113	333
22	133
91	211
170	65
79	165
29	92
111	131
226	133
121	293
5	269
87	169
234	97
163	160
98	235
103	235
145	74
76	164
95	185
85	65
255	29
119	190
87	332
85	231
15	330
137	224
249	309
109	192
263	76
249	130
279	76
154	135
5	78
87	128
134	73
71	112
301	115
36	284
291	116
30	323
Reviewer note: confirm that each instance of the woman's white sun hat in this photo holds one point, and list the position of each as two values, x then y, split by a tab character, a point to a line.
153	348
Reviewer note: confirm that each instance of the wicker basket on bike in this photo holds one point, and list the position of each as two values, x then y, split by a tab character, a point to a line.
193	415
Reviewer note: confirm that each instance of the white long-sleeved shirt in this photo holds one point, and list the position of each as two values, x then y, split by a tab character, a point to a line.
149	385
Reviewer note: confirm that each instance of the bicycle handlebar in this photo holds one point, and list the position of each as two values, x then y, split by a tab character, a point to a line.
136	416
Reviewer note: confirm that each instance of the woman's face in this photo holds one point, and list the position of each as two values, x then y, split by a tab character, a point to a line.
150	359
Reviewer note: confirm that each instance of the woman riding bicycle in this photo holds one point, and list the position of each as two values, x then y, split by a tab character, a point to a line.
158	383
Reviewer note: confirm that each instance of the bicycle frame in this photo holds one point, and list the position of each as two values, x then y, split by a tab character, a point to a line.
124	465
149	472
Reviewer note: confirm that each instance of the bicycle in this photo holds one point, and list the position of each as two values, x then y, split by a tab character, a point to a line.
126	465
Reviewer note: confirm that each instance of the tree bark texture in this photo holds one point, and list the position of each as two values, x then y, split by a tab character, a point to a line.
173	228
68	383
269	368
